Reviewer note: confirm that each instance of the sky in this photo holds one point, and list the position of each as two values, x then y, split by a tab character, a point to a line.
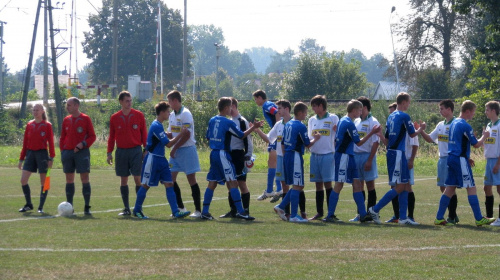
338	25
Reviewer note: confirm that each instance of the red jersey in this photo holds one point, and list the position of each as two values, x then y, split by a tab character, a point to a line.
36	137
128	131
76	130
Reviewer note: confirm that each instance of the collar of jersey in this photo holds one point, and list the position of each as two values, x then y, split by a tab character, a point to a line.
492	124
180	110
324	117
367	117
446	123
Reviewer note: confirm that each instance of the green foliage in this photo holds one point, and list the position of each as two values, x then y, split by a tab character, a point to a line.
282	63
433	83
202	38
261	58
17	96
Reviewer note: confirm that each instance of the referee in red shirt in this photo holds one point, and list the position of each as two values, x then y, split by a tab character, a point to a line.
77	136
128	128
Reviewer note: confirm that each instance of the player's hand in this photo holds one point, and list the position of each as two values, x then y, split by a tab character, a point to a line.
110	159
316	135
49	163
376	129
172	152
78	147
169	135
258	124
495	169
410	164
486	134
334	128
368	165
472	163
422	125
20	165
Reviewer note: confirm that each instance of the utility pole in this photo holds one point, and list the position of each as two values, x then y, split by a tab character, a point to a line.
217	55
45	58
55	71
1	61
184	50
114	58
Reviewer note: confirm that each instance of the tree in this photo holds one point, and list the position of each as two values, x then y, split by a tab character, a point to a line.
38	67
261	58
236	63
202	39
309	45
433	83
282	63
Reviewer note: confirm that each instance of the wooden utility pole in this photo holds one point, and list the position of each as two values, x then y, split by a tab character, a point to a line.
55	71
114	53
45	57
184	51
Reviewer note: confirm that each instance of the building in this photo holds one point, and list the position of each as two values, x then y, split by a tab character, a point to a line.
63	80
388	90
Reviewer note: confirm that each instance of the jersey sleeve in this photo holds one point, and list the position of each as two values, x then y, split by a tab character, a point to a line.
234	130
303	135
469	133
50	140
409	124
434	134
144	131
353	132
375	138
309	127
25	144
271	108
273	133
111	138
62	138
91	137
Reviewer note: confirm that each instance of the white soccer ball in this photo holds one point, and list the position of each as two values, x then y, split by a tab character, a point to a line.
65	209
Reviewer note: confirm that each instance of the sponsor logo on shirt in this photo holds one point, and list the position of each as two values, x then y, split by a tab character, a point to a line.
362	134
279	138
490	140
323	132
442	138
176	129
494	133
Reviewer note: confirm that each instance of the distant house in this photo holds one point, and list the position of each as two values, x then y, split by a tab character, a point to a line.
63	80
388	90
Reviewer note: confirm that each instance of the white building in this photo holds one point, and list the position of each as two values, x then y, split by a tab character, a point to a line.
388	90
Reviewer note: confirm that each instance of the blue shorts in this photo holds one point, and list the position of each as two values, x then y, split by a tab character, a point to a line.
459	172
345	168
442	171
293	167
490	178
397	167
221	167
279	169
186	160
271	146
361	159
154	170
321	167
411	180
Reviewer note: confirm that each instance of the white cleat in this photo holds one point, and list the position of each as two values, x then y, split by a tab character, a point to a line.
409	222
375	216
298	219
496	223
280	212
195	214
265	195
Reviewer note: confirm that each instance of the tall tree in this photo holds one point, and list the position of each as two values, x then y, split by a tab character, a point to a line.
282	63
261	58
202	39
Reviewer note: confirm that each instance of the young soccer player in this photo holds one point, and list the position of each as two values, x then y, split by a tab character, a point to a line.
38	136
183	155
295	138
320	169
155	168
398	125
269	110
345	164
461	137
439	136
219	132
492	155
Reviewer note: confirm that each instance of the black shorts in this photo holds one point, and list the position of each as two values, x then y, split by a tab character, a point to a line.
238	157
128	161
36	160
72	161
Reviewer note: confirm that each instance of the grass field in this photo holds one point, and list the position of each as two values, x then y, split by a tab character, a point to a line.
107	246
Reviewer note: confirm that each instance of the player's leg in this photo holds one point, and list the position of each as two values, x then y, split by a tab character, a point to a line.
43	194
497	221
295	193
444	202
474	204
177	190
271	173
141	196
171	197
25	176
288	169
281	192
86	191
358	198
82	166
149	177
42	158
195	193
334	199
488	186
320	198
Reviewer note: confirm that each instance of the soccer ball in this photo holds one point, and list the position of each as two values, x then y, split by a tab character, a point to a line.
65	209
249	164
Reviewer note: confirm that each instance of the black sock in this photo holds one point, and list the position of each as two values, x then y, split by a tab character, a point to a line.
490	200
452	207
411	204
320	197
287	207
372	198
70	192
43	196
231	203
195	193
27	194
499	210
302	202
86	191
124	192
245	199
178	195
328	192
395	206
137	188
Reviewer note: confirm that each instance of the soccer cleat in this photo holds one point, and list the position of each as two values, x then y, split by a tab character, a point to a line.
86	210
375	216
496	223
26	207
303	215
442	222
485	221
140	215
229	214
332	219
366	218
453	221
276	197
355	219
40	210
265	195
393	220
206	216
125	212
244	216
195	214
298	219
409	222
181	214
318	216
280	212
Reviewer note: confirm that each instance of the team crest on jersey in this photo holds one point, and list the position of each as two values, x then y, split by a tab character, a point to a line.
135	126
280	138
494	133
42	133
79	129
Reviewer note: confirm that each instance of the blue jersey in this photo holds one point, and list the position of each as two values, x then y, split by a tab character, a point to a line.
461	137
157	139
219	132
346	136
398	124
270	109
295	136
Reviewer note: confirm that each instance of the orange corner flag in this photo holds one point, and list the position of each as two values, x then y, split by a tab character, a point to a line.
46	185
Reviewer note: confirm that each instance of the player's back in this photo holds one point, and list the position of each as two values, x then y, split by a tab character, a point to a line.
219	132
346	136
157	139
269	109
295	136
461	137
397	126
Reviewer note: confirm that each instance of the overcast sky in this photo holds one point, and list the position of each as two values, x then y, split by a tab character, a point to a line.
278	24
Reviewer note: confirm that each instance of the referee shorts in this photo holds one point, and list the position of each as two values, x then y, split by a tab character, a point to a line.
128	161
36	160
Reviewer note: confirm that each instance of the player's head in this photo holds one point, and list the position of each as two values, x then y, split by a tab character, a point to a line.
402	97
223	103
174	95
284	107
259	96
124	94
392	107
39	110
366	102
300	110
492	107
161	107
234	106
319	102
354	107
125	99
446	107
72	105
468	109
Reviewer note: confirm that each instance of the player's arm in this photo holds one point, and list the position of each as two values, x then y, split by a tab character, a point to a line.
419	130
50	140
414	149
91	137
316	136
111	141
254	126
427	137
481	140
262	135
375	130
24	149
373	152
177	138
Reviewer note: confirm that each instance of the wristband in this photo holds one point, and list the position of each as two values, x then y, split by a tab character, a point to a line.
110	154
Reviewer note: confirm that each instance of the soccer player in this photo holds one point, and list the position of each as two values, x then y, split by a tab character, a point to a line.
219	132
320	168
492	155
295	138
155	167
127	128
270	110
439	136
345	164
365	155
183	155
77	136
38	135
397	126
461	137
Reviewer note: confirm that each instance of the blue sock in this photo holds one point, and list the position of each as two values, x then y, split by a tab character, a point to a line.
333	200
443	204
271	173
285	201
236	196
403	205
385	200
360	202
141	196
209	193
294	201
172	199
474	204
278	185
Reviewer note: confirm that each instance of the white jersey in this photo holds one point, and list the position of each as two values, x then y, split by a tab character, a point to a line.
276	134
176	122
410	142
364	127
237	143
491	145
440	136
326	143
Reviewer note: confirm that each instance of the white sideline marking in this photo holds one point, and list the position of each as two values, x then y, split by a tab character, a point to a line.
253	250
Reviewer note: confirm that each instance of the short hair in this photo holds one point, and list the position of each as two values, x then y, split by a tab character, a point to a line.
234	101
353	104
319	100
74	100
299	107
494	105
393	105
260	93
447	103
161	107
124	94
366	102
468	105
223	103
402	96
284	103
175	94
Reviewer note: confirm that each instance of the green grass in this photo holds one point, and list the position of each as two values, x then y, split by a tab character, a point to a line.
106	246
